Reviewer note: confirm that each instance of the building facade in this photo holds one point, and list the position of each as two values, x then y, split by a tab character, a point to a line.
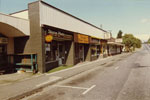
56	37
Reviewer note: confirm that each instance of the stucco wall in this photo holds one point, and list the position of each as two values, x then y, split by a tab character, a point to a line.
54	17
21	26
21	14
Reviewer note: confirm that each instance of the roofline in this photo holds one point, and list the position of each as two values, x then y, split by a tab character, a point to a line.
18	11
14	16
115	43
44	25
72	16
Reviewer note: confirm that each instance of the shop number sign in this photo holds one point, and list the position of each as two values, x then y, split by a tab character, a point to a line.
48	38
83	38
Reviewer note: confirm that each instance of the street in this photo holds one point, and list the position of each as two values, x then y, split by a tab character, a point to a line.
124	79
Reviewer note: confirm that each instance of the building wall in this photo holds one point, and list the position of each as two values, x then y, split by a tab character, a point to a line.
53	17
21	25
37	35
42	14
107	35
21	14
10	46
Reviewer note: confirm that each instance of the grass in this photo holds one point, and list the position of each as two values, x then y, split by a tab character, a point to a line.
59	68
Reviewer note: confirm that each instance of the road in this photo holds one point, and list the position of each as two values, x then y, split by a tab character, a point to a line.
126	79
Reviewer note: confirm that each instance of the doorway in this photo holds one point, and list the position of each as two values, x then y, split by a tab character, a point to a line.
81	52
61	53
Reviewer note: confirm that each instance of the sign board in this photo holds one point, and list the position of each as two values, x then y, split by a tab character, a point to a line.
119	40
48	38
3	40
95	41
81	38
60	35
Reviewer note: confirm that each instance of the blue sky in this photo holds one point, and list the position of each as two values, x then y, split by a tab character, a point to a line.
130	16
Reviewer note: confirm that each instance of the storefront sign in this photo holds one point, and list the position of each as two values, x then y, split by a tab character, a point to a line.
95	41
3	40
82	38
60	35
48	38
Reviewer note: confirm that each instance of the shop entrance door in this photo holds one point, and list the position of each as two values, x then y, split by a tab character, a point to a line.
81	52
61	54
3	55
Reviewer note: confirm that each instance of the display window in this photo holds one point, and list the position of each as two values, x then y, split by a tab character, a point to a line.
94	50
51	51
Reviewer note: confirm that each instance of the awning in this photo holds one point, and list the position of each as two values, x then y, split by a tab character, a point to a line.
115	43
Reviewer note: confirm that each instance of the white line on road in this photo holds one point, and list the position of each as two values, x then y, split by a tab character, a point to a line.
88	89
71	87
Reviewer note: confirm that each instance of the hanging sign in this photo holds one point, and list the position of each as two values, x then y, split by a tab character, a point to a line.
3	40
48	38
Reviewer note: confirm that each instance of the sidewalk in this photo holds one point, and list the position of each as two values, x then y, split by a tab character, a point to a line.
31	85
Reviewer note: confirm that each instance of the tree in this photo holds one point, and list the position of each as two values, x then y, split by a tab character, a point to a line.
138	43
119	35
131	42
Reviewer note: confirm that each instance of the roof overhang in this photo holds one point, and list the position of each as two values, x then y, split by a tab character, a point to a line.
115	43
13	26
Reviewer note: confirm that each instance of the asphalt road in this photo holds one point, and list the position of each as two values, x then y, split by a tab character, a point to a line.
125	79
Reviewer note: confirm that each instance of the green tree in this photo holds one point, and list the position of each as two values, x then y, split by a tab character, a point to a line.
131	42
138	43
119	35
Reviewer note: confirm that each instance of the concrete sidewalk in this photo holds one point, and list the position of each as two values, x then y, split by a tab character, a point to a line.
34	84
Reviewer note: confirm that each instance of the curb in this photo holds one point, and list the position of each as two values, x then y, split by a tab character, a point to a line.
38	89
33	91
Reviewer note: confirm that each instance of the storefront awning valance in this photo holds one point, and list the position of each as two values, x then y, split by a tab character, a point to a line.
115	43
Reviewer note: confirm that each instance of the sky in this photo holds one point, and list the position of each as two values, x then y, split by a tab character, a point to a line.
130	16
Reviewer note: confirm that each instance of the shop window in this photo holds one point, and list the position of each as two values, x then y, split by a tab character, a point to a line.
51	51
94	50
98	50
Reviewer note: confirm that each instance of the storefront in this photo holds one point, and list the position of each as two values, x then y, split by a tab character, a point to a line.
114	48
103	46
95	48
81	48
57	47
53	35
